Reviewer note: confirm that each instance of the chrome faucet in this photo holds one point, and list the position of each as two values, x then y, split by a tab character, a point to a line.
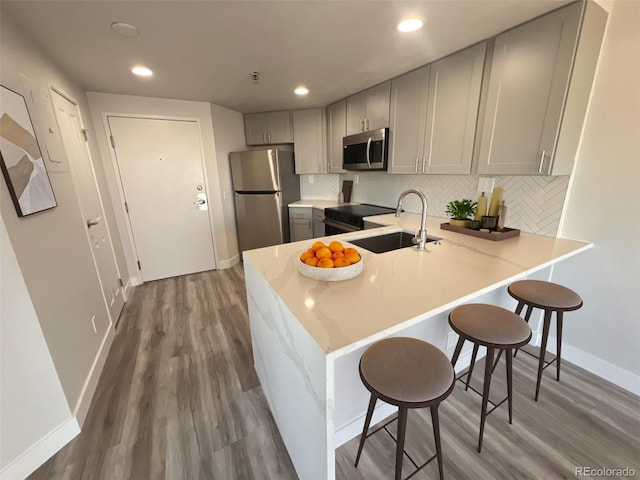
421	238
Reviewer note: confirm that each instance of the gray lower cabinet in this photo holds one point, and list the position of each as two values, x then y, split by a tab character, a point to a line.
318	222
434	112
336	130
300	223
268	128
539	85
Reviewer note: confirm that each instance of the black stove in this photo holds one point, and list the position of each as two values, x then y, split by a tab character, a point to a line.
349	218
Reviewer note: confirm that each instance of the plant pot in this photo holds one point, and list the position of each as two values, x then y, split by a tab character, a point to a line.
457	222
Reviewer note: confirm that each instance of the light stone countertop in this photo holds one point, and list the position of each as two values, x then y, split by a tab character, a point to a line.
319	203
400	288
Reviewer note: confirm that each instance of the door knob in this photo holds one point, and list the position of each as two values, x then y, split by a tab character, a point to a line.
91	222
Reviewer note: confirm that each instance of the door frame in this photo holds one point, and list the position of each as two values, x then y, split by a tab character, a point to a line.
129	239
76	181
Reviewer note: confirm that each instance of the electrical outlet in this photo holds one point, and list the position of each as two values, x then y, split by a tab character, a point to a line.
310	178
356	178
452	338
485	184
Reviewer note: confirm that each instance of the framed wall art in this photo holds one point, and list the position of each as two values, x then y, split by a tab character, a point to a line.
20	157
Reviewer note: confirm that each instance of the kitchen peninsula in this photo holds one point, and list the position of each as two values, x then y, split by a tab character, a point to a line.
308	335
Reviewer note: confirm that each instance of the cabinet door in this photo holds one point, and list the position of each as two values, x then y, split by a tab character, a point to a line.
309	144
280	130
256	128
528	82
452	114
408	113
377	107
300	223
356	112
336	130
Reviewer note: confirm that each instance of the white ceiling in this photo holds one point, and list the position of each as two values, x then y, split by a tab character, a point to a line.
205	50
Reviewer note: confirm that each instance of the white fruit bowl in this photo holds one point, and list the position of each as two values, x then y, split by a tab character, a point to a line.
331	274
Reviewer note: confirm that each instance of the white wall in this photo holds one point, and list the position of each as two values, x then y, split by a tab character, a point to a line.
104	103
604	336
32	402
56	265
228	133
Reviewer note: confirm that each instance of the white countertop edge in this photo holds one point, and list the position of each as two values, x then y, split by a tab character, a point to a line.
448	306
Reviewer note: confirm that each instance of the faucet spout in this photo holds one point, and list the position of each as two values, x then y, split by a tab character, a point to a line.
421	238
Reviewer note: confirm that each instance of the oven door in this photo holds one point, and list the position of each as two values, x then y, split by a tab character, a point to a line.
366	151
334	227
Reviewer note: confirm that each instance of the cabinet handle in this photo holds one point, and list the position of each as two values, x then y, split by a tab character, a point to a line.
366	124
424	164
264	137
362	125
541	161
417	163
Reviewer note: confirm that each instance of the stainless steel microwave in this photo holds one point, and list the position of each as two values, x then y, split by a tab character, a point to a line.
366	151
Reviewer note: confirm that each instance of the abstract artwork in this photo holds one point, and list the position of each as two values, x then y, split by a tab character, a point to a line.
20	157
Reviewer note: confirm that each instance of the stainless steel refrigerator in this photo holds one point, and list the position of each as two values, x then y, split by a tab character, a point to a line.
264	183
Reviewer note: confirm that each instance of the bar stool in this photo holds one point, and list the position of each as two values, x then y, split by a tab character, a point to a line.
407	373
494	328
549	297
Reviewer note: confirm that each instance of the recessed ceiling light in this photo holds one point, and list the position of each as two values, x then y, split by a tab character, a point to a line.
410	24
125	29
141	71
301	91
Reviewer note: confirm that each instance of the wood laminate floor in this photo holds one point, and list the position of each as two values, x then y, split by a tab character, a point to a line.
178	399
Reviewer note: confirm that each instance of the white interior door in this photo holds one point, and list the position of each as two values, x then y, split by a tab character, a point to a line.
162	175
71	131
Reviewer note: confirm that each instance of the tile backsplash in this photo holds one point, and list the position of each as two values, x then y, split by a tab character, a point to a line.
534	203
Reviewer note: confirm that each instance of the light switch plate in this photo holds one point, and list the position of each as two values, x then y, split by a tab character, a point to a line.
485	184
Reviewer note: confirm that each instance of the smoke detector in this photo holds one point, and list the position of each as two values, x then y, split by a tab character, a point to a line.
255	77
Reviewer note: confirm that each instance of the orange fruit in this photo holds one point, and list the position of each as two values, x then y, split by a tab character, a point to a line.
337	255
317	246
313	261
306	255
342	262
353	257
349	249
325	263
323	252
336	246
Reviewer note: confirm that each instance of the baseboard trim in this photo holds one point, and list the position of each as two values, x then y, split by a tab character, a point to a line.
603	369
41	451
86	395
228	263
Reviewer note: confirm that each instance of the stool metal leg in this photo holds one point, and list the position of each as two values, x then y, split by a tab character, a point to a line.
372	404
402	430
559	342
509	359
436	435
527	316
473	361
543	349
456	352
485	392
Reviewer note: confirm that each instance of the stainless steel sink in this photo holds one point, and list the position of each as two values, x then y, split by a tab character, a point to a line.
388	241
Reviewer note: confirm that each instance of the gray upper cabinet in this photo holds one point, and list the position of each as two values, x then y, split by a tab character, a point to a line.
538	90
434	112
268	128
408	115
336	130
452	113
310	141
369	109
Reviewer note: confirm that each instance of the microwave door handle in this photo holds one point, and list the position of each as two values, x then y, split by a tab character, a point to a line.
368	152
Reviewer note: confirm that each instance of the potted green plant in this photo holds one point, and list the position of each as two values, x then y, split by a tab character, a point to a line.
461	212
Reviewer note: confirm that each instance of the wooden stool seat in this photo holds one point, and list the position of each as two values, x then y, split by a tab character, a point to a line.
407	373
496	329
549	297
545	295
